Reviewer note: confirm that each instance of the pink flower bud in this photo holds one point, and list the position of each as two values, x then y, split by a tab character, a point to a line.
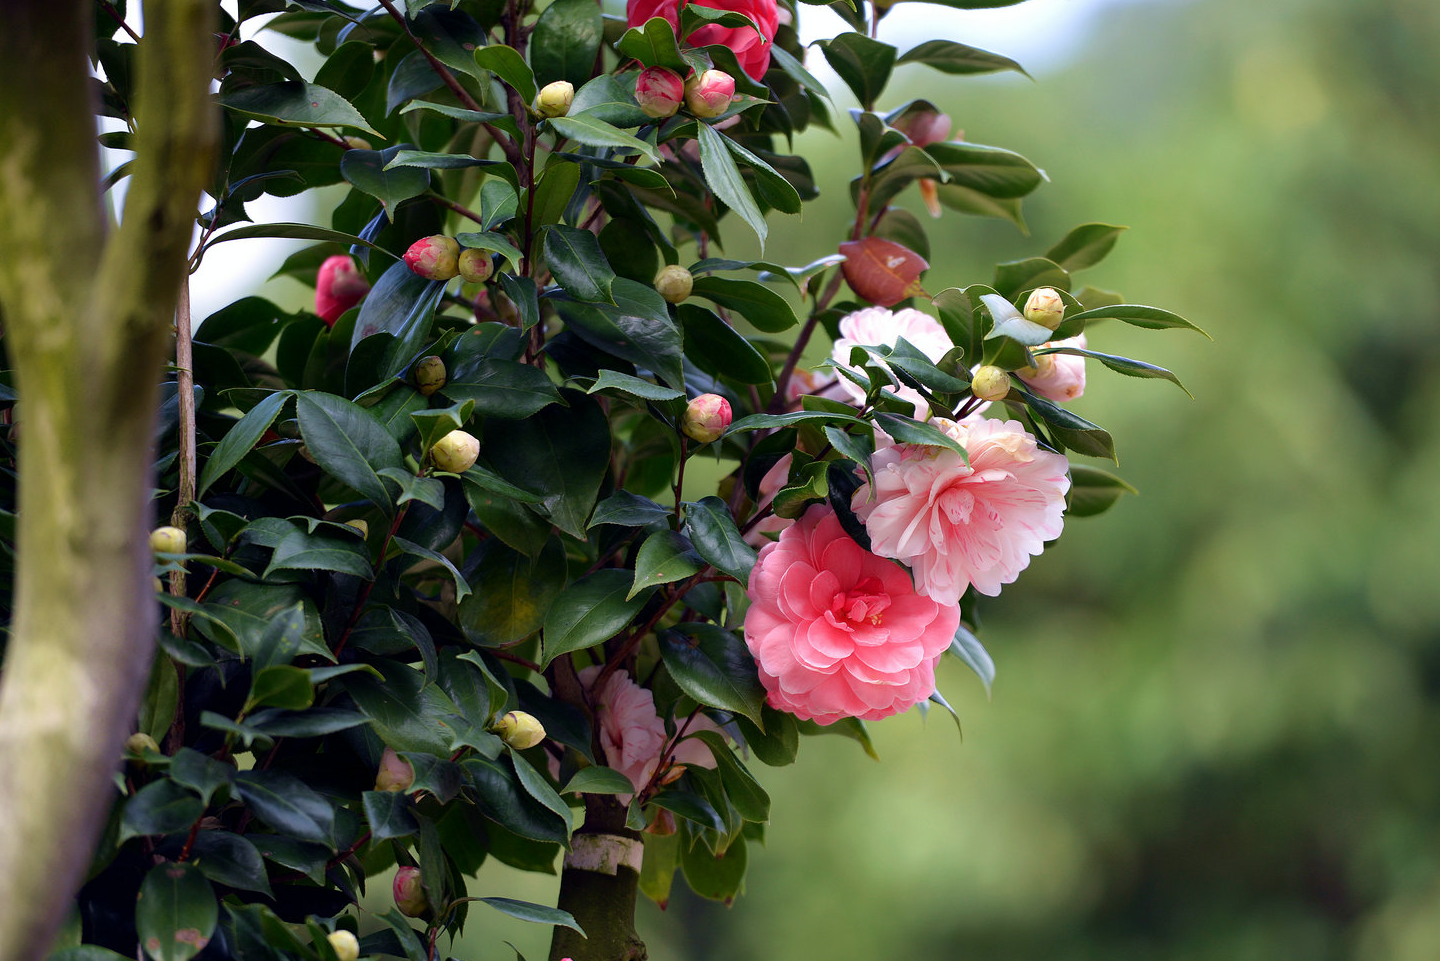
924	127
1045	307
456	452
338	287
435	258
520	730
395	773
409	893
706	418
475	266
709	94
659	91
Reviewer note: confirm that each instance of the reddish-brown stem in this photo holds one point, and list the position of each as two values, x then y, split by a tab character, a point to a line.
458	208
515	659
370	584
632	643
782	383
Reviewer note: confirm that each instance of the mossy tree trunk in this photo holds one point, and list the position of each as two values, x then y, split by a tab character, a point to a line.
601	901
86	315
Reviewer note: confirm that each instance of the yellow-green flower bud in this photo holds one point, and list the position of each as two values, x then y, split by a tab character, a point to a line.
456	452
555	98
1045	307
429	375
360	525
167	540
990	383
140	742
674	283
345	945
475	266
519	730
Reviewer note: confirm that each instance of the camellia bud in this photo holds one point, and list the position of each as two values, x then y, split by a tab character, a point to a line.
357	143
395	773
555	98
674	283
409	893
709	94
429	375
1045	307
659	91
456	452
139	743
519	730
435	258
338	287
168	540
882	271
475	266
990	383
345	945
706	418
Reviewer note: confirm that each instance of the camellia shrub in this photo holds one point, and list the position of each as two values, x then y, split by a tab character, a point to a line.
550	526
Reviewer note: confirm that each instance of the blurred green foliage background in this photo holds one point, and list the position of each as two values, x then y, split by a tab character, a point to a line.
1214	731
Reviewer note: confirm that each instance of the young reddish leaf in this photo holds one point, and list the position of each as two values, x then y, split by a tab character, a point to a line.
882	271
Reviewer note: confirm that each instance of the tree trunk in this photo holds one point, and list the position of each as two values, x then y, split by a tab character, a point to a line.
599	885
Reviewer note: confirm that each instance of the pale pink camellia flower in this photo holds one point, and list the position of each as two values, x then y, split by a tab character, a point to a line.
876	326
395	773
633	735
838	632
955	525
752	50
1057	377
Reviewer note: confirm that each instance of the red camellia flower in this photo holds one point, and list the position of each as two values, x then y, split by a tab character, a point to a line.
752	50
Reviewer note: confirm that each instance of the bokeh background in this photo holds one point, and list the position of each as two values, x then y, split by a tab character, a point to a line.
1215	732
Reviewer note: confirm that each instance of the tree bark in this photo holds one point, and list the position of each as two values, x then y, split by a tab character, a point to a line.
86	321
601	901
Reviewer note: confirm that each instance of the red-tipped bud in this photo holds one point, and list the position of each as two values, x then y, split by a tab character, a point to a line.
990	383
555	98
924	127
456	452
475	266
395	773
167	540
882	271
409	893
338	287
429	375
674	283
709	94
345	945
1045	307
706	418
435	258
520	730
659	91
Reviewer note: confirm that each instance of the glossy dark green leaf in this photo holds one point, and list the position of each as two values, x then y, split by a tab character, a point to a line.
1121	365
1085	246
576	260
1136	315
488	240
864	64
390	814
510	67
566	39
990	171
409	713
968	648
300	551
1092	491
1019	276
200	772
633	386
238	441
771	421
176	914
663	558
436	775
849	727
348	443
370	171
716	346
796	71
724	179
315	722
503	121
594	132
592	609
401	303
451	36
287	804
774	189
970	201
713	666
608	99
285	635
282	686
230	859
947	56
295	102
690	806
501	798
401	545
306	857
653	44
713	532
435	422
778	743
1007	321
637	329
762	307
160	807
560	452
625	509
425	490
1072	430
597	779
523	292
741	789
512	593
537	787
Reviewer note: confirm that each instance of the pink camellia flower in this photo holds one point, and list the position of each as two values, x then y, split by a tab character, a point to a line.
395	773
706	418
709	94
633	735
875	326
956	525
752	50
409	893
659	91
838	632
1057	377
338	287
924	127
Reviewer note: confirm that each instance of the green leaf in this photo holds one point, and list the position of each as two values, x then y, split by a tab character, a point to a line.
990	171
1018	276
690	806
796	71
1092	491
864	64
575	258
500	797
247	612
762	307
537	787
1085	246
1122	365
230	859
638	329
775	190
510	67
947	56
401	303
287	804
426	490
486	480
433	161
716	538
968	648
769	421
390	814
300	551
565	42
240	439
371	172
653	44
282	686
176	913
608	99
716	877
592	609
907	430
512	593
1073	431
1136	315
409	713
634	386
665	557
501	120
717	347
200	772
490	241
778	743
741	788
598	779
525	910
435	423
724	179
713	666
563	453
1009	322
160	807
348	443
451	36
295	102
594	132
629	510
